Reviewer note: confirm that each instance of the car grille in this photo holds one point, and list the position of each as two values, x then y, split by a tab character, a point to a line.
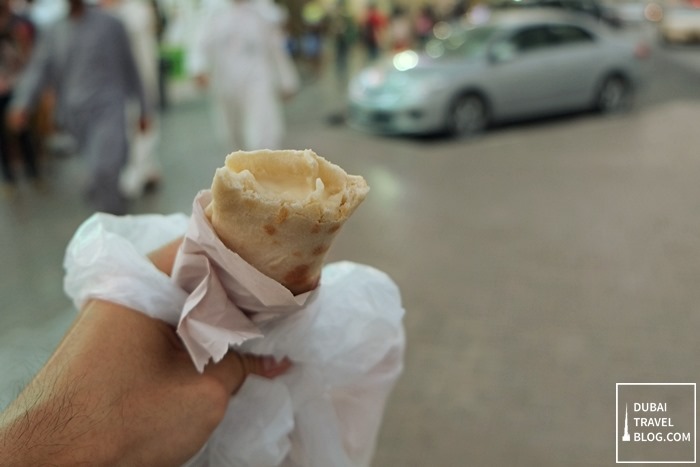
380	117
369	117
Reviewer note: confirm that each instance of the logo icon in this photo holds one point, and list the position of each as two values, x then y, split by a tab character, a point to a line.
655	423
626	435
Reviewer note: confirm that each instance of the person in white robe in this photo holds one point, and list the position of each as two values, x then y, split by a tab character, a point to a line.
143	169
240	53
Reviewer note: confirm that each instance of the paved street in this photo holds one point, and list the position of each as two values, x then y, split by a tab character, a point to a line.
539	265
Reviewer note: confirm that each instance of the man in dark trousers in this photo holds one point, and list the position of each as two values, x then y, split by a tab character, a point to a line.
87	60
16	42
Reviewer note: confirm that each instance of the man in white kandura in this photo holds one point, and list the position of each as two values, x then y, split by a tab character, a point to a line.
240	51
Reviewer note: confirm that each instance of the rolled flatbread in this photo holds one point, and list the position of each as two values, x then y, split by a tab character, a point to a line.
281	210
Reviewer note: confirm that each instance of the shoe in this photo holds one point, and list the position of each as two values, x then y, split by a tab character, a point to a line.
151	185
9	190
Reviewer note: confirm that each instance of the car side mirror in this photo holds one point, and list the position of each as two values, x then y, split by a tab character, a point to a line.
502	52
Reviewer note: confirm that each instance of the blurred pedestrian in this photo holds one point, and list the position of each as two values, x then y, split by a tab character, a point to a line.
373	26
49	141
162	24
143	169
424	23
400	29
313	16
459	11
240	51
16	43
23	8
479	13
87	60
342	30
41	12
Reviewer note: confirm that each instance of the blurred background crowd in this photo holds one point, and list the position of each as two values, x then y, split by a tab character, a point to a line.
546	248
287	44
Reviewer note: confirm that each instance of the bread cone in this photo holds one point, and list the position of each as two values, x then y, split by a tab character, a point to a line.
281	210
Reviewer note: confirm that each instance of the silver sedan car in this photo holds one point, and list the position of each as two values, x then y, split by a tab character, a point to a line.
519	64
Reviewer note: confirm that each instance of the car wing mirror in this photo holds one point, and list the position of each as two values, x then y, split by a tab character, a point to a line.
502	52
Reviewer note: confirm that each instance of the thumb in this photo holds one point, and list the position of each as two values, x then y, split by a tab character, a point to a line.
234	368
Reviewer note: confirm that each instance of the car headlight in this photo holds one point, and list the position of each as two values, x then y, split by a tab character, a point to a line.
406	60
387	90
365	83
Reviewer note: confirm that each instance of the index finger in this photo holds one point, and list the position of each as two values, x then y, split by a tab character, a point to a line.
235	367
164	257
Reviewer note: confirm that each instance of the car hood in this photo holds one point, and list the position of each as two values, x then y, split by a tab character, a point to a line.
412	66
410	77
420	62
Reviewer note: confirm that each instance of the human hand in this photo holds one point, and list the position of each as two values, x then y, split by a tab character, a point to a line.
202	80
121	389
17	119
144	124
287	95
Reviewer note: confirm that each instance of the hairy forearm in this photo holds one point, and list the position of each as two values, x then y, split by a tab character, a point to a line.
96	401
50	423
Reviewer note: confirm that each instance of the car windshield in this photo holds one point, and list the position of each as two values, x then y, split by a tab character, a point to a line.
462	43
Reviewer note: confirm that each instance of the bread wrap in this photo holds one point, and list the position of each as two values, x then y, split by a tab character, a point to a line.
281	210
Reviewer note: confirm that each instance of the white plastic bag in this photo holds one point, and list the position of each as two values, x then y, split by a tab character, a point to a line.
106	259
347	345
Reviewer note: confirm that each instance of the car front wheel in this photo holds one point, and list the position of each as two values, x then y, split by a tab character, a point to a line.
614	95
468	116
